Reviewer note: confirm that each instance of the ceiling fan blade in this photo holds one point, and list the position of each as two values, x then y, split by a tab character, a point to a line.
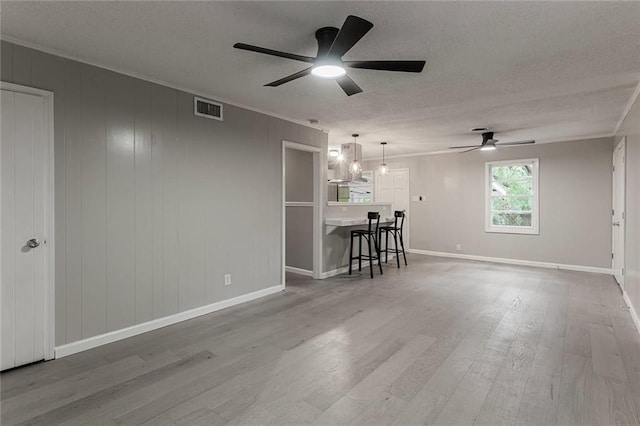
404	66
349	86
290	77
274	52
516	143
352	31
472	149
467	146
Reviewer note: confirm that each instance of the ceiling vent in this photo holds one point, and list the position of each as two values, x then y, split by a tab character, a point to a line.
207	108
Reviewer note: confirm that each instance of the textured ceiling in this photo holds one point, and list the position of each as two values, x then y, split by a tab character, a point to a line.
528	70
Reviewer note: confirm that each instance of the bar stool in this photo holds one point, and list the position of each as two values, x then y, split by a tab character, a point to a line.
370	235
396	232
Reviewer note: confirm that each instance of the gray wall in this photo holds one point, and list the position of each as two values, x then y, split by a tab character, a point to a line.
153	205
298	175
299	237
299	224
575	203
631	129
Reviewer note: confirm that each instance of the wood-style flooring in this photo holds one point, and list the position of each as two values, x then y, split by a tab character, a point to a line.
441	341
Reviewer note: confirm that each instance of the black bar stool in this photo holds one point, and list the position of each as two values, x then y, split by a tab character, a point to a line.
396	232
371	235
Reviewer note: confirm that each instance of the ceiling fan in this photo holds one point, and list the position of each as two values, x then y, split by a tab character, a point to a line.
333	43
489	143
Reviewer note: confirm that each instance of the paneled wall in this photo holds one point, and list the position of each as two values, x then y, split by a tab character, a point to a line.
154	205
575	203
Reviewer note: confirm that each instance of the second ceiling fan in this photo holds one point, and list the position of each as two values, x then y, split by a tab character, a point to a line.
333	43
489	143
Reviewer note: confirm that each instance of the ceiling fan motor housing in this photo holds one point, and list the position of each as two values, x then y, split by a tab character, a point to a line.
325	37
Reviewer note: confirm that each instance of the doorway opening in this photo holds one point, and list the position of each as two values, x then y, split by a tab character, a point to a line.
301	210
618	213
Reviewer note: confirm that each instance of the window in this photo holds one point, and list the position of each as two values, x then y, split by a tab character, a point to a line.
512	196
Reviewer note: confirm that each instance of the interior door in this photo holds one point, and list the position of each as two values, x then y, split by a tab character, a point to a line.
618	213
23	180
394	188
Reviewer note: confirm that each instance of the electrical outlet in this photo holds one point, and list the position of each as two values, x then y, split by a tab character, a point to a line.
458	247
384	208
227	279
344	209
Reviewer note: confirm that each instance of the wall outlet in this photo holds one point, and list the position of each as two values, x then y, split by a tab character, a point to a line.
384	208
344	209
458	247
227	279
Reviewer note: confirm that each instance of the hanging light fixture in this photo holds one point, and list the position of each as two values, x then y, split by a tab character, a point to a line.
383	169
355	168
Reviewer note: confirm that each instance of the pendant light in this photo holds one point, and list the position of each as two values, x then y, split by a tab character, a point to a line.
355	168
383	169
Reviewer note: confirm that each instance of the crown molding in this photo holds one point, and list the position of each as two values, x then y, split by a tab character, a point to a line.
191	91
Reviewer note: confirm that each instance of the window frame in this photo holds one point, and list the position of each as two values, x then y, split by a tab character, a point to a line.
534	229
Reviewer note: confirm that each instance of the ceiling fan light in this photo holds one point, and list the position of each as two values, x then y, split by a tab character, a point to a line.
328	71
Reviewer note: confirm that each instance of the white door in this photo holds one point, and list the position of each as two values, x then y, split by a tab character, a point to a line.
24	213
618	214
394	188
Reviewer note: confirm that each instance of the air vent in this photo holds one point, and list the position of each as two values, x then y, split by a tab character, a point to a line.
206	108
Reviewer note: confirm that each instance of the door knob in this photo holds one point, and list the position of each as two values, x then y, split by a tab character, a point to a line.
33	243
616	223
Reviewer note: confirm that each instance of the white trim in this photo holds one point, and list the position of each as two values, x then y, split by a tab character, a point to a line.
299	204
134	330
49	287
454	151
318	197
534	229
188	90
345	269
533	263
299	271
338	271
627	108
412	154
632	310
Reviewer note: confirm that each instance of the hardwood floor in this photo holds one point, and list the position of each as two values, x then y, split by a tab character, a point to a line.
441	341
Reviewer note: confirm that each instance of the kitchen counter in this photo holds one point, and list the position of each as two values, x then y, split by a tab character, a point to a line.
353	221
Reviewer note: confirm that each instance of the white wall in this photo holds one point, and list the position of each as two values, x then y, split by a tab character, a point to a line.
154	205
575	203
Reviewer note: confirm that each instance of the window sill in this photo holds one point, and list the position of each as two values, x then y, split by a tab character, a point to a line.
512	230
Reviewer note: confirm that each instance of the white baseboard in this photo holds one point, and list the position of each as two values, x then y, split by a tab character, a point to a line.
345	269
335	272
299	271
536	264
632	310
113	336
